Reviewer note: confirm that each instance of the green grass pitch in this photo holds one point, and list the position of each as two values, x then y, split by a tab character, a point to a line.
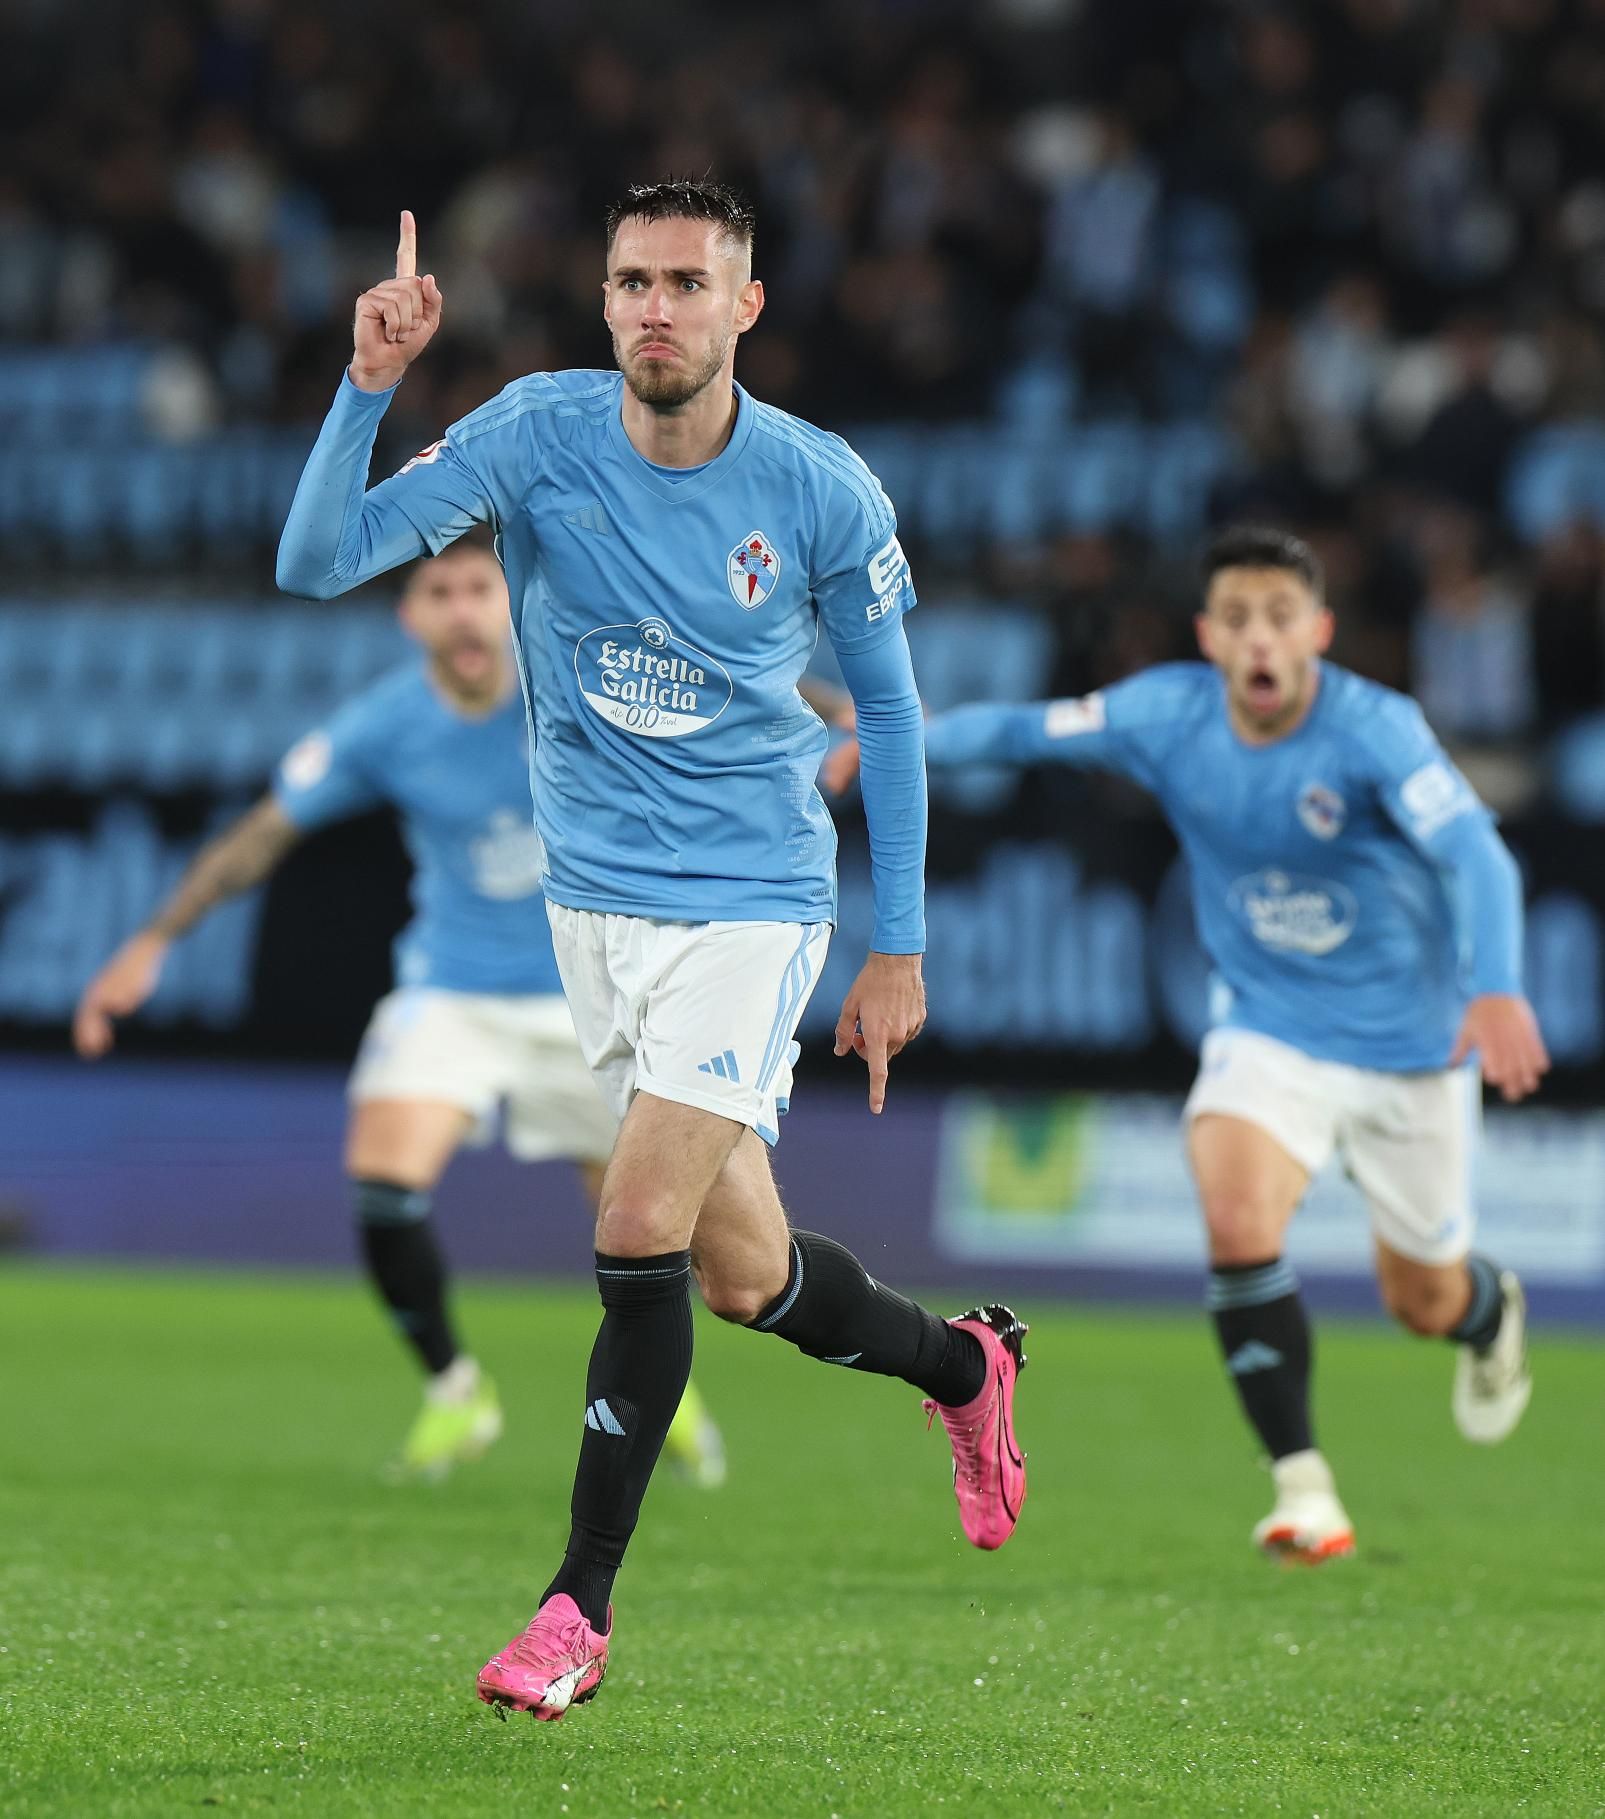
208	1599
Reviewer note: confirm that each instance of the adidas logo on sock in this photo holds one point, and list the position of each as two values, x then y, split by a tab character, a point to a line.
1253	1355
601	1419
589	517
723	1065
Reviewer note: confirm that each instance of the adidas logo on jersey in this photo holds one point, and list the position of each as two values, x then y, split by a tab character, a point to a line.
589	517
723	1065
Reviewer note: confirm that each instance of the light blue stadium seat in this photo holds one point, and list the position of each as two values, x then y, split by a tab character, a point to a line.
951	488
148	506
1185	460
1577	769
1208	289
1557	478
27	738
1019	490
56	397
168	759
1101	479
1037	398
70	498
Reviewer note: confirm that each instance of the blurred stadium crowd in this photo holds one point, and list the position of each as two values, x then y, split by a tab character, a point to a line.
1078	275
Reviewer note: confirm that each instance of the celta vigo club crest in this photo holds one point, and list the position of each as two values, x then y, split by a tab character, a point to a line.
1323	811
752	570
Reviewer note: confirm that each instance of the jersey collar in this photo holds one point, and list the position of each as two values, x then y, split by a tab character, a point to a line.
669	491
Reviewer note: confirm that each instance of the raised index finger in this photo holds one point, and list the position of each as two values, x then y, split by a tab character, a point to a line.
407	247
877	1058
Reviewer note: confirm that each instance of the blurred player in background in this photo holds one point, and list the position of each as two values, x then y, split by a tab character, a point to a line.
477	1026
674	549
1365	921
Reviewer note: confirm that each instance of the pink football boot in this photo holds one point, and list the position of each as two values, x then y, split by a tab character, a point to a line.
557	1662
988	1465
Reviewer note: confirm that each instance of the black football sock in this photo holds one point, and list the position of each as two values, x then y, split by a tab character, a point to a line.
1479	1325
832	1309
1265	1339
405	1266
639	1368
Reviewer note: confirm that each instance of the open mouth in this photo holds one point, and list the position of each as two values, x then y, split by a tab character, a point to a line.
1263	690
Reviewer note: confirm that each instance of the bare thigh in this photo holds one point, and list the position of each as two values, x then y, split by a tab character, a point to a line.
1248	1185
664	1165
408	1141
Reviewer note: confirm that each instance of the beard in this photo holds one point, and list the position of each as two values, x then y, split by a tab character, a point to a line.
667	388
469	660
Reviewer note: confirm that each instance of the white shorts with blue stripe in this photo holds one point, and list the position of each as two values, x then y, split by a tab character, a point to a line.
701	1013
1407	1141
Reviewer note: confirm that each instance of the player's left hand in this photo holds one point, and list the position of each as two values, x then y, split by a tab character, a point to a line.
881	1015
1501	1027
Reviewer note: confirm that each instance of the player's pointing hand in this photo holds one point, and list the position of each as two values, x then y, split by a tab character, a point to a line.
396	320
882	1014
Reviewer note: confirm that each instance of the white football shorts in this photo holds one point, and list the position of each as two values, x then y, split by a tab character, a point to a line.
513	1056
1407	1141
701	1013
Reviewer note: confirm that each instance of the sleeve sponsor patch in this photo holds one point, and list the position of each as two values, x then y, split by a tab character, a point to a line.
1433	796
1067	719
887	571
307	762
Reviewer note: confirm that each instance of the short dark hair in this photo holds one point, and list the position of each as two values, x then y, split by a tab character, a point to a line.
1262	546
685	199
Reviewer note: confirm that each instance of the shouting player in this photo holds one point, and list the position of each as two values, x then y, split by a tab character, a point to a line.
1366	920
674	548
477	1022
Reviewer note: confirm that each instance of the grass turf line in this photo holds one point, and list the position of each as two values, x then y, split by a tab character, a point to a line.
208	1599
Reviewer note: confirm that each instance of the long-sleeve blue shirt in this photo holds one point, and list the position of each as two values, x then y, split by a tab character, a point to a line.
1347	883
663	617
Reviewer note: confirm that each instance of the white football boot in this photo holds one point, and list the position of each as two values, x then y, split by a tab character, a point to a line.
1492	1387
1308	1524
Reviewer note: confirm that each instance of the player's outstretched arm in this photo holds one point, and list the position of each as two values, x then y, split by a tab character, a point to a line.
1017	734
339	535
238	859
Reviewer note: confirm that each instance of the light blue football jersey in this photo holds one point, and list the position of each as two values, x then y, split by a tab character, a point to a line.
461	788
663	619
1347	882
